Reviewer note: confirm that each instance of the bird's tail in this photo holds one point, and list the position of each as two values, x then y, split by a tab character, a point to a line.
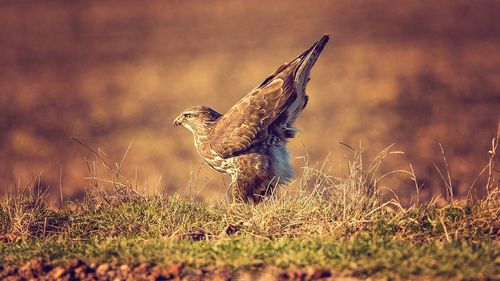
308	58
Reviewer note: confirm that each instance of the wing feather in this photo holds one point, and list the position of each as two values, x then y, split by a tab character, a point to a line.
272	104
246	122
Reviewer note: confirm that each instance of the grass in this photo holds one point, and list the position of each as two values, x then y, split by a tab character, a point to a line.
329	222
362	256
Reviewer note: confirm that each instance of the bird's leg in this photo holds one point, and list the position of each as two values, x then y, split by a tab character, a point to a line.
251	190
238	192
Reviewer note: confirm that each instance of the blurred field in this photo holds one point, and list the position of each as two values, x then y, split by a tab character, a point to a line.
414	73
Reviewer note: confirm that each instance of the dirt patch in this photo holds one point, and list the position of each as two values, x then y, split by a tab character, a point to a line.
82	270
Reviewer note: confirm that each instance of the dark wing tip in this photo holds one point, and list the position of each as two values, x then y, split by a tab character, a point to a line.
322	42
324	38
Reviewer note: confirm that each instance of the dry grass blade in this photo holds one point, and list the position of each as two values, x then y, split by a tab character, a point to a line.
93	151
491	163
103	178
446	180
492	180
119	168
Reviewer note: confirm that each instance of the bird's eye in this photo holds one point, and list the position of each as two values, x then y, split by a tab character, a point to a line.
187	115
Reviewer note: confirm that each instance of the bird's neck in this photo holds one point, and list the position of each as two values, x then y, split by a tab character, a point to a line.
203	130
201	133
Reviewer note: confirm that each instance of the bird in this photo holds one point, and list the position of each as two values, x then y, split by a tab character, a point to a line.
249	141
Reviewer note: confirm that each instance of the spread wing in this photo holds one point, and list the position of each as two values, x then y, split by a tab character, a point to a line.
277	99
246	122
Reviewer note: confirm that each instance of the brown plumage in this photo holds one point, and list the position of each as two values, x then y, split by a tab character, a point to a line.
249	141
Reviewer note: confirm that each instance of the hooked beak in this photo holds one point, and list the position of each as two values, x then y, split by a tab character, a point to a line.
178	120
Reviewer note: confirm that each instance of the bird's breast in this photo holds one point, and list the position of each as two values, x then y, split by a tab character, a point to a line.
219	164
211	158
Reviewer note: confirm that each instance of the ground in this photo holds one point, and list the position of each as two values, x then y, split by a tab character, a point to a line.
329	228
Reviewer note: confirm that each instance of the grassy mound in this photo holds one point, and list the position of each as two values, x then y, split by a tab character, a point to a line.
339	224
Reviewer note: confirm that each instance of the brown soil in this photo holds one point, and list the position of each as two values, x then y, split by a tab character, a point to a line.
82	270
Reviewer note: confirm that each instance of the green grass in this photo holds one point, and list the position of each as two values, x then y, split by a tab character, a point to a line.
361	256
335	223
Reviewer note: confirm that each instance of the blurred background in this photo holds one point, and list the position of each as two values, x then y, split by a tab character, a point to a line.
413	73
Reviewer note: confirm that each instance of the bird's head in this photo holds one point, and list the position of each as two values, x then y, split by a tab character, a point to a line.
197	118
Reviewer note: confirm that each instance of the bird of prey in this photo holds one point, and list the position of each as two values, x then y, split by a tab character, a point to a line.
249	141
